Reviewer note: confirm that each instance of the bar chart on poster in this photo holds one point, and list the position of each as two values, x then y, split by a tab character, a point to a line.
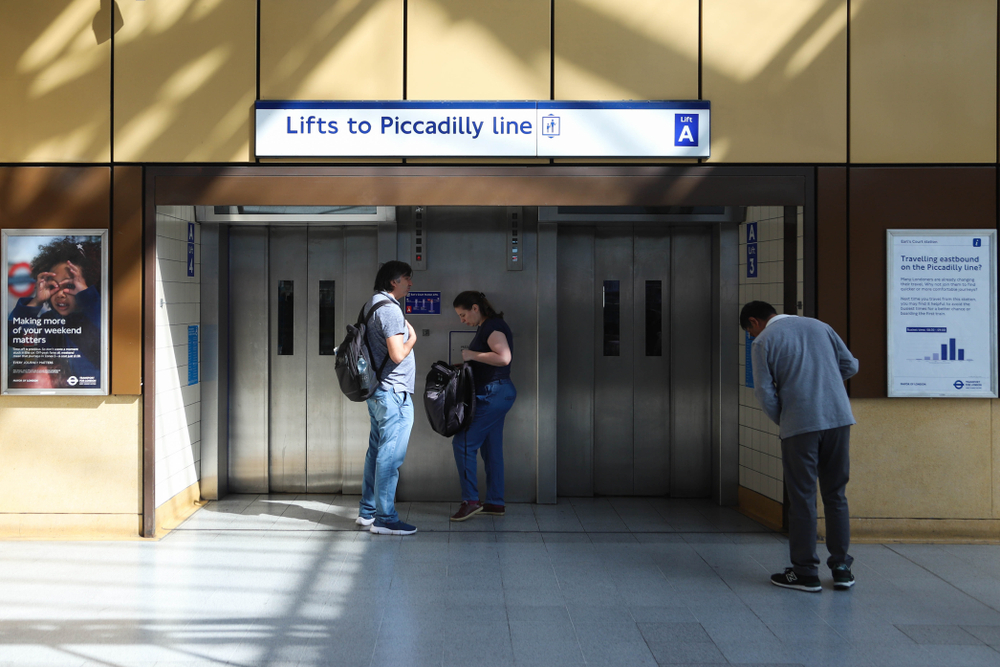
942	313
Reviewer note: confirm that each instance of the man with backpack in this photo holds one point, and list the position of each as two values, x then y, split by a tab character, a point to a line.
390	338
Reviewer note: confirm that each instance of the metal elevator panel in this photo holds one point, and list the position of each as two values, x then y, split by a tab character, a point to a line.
248	360
691	363
575	405
466	249
288	295
324	410
293	291
360	261
636	300
613	362
651	445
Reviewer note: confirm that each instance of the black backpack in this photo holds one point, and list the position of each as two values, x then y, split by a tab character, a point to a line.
354	359
450	398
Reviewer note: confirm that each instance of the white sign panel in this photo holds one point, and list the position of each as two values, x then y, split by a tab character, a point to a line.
942	318
482	129
641	129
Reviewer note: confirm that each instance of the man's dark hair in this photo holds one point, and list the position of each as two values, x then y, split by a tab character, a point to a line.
390	272
759	310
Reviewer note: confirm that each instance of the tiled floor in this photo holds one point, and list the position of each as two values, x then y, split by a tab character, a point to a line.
276	580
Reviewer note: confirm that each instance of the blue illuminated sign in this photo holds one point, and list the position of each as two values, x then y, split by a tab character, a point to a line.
685	130
192	354
423	303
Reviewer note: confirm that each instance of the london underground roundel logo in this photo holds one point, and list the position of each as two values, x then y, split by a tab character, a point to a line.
19	282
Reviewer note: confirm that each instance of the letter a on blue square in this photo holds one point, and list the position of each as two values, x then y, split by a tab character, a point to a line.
686	129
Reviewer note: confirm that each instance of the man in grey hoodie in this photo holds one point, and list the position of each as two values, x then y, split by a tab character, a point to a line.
799	368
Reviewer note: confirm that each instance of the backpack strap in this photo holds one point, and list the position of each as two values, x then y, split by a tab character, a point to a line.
363	319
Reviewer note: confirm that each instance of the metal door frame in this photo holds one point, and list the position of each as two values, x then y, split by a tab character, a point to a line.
474	185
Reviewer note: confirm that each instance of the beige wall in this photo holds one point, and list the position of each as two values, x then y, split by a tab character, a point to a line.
70	455
775	72
639	50
924	458
185	80
323	50
55	86
462	50
923	81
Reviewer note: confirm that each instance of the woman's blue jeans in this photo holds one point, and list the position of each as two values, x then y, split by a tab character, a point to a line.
485	435
392	418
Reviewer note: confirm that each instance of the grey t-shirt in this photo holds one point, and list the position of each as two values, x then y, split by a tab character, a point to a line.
388	321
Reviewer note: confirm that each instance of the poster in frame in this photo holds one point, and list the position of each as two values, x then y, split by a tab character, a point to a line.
942	313
55	311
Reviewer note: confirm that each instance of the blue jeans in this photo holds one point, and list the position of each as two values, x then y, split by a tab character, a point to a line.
392	418
485	435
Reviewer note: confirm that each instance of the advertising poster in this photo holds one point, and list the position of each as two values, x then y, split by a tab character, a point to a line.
942	318
55	311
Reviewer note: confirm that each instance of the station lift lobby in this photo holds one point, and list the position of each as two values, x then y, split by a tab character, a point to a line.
622	295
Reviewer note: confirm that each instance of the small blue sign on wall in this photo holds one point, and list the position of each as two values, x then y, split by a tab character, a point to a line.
749	378
192	354
423	303
751	250
190	262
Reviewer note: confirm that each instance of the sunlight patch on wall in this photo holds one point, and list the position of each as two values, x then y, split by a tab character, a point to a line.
742	59
74	19
651	19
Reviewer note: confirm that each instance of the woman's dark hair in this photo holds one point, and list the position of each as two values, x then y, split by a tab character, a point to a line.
760	310
83	253
391	271
470	298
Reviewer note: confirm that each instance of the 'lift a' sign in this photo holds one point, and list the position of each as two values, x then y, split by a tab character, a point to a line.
483	129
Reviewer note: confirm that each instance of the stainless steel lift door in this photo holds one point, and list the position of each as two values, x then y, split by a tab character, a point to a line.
635	361
293	291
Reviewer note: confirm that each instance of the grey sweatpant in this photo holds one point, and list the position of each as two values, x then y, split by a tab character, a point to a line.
806	457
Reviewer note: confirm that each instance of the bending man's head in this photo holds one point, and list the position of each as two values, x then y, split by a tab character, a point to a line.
754	317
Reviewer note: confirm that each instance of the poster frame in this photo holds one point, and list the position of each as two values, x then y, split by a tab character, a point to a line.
891	275
104	389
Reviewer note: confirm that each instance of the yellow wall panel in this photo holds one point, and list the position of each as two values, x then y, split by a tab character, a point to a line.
70	454
921	458
923	81
55	81
323	50
185	80
638	50
775	72
478	50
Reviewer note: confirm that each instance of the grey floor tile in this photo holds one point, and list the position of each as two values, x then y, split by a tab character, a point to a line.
939	634
988	634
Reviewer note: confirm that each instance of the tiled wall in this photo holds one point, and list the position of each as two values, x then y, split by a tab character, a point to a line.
760	447
178	402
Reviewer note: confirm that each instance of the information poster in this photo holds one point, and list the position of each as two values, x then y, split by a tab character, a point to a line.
55	311
942	318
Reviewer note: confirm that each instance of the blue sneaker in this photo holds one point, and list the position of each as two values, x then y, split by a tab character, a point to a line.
395	528
365	521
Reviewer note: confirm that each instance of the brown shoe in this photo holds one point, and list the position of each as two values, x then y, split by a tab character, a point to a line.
493	510
466	510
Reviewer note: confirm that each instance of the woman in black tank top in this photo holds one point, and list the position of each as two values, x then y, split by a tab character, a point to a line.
489	355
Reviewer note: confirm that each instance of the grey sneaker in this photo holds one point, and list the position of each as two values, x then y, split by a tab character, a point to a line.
842	577
364	520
